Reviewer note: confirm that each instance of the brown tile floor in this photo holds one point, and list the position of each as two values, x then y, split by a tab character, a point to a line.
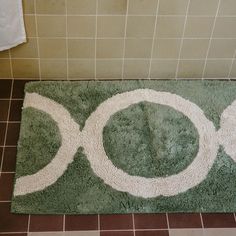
173	224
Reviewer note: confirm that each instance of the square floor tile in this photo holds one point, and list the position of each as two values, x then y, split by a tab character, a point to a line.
150	221
1	151
18	88
9	159
117	233
119	221
6	186
46	223
152	233
82	233
2	133
5	88
4	106
11	222
82	222
218	220
16	234
15	111
12	133
184	220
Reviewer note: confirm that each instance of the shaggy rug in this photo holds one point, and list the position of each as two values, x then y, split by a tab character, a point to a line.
131	146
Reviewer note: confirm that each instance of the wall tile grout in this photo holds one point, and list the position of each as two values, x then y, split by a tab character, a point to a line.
153	39
211	36
124	41
67	63
231	65
37	37
182	40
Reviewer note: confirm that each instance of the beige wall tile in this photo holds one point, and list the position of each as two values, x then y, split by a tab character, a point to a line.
5	69
136	69
108	69
30	26
51	26
52	48
142	7
217	68
110	48
53	69
166	48
222	48
169	27
25	68
163	69
50	7
203	7
199	27
194	48
227	7
28	6
225	27
110	7
220	232
190	68
186	232
138	48
81	69
81	7
4	54
140	26
170	7
81	48
26	50
111	26
81	26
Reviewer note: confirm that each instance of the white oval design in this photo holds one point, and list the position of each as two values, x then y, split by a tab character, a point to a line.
91	138
195	173
70	141
227	132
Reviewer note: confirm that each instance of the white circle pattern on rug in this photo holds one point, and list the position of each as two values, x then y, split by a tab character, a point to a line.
91	139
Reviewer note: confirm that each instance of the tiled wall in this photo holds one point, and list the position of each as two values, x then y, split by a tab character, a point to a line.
104	39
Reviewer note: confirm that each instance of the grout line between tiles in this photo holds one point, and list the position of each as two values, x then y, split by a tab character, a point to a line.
211	36
124	40
28	227
5	136
231	65
167	220
139	37
133	223
64	223
201	220
67	63
10	59
99	227
153	39
182	40
116	230
37	38
161	15
95	42
121	58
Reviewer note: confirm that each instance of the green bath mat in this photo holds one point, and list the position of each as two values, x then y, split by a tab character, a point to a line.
131	146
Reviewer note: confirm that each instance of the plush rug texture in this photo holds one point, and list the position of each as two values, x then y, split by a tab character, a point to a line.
127	146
